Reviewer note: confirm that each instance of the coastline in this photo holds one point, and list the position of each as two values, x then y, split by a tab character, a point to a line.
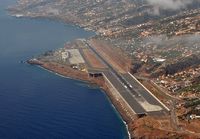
131	124
99	82
55	19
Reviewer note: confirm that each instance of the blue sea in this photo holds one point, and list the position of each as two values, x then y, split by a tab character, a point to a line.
37	104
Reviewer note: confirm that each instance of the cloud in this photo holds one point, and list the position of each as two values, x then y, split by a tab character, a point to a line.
162	40
169	4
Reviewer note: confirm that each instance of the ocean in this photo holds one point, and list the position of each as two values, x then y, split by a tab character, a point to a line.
37	104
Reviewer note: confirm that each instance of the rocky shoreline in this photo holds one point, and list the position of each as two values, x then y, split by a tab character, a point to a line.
68	72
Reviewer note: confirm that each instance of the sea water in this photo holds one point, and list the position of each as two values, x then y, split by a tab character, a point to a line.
36	104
